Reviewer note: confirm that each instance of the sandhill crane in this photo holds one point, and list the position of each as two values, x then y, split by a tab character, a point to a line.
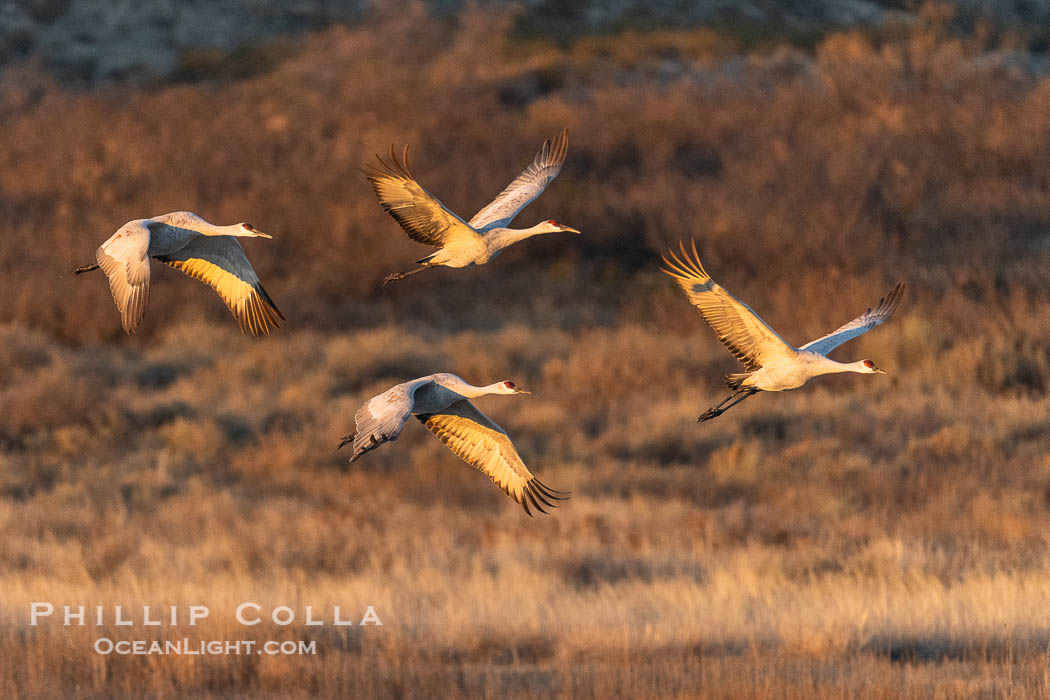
442	403
772	364
479	240
188	243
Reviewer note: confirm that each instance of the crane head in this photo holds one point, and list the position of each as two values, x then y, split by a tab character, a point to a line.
870	367
554	226
250	231
512	388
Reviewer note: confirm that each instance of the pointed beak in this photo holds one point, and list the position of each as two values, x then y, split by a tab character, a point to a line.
570	229
521	391
881	371
260	234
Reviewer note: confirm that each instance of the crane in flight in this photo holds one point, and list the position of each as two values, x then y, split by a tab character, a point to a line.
461	243
188	243
772	364
441	402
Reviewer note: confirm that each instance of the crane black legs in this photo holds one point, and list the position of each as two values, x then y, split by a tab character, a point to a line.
86	268
721	408
402	275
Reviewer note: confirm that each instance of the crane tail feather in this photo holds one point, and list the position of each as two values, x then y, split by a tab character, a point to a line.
733	381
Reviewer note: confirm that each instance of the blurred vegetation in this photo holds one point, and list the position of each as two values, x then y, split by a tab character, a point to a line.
827	542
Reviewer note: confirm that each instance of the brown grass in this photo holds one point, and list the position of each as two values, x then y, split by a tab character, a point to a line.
866	536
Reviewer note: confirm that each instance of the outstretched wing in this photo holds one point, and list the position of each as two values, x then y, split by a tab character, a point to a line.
124	259
220	262
482	444
421	215
525	187
381	418
860	325
746	335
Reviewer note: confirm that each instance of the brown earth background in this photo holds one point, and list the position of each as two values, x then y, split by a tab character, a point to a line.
865	536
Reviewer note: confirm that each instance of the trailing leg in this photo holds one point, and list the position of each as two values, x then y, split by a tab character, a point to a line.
721	408
402	275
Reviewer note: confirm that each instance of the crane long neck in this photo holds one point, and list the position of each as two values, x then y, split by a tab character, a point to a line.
191	222
504	237
209	229
829	366
472	392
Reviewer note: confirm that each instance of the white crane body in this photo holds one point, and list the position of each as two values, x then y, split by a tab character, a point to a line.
442	403
772	363
486	246
795	370
200	249
461	243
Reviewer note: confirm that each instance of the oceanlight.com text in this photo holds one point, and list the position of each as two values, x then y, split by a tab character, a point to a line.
198	647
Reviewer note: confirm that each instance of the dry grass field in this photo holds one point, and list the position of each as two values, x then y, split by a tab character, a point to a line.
863	537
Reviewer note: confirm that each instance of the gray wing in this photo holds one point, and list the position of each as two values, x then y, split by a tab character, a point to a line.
381	418
525	187
421	215
746	335
220	262
125	260
860	325
482	444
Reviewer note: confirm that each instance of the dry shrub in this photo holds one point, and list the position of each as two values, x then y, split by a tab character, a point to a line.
201	440
56	395
864	163
739	462
952	442
1016	365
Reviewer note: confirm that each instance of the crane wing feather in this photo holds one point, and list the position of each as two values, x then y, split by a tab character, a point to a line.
381	418
422	216
478	441
880	313
746	335
525	187
220	262
125	260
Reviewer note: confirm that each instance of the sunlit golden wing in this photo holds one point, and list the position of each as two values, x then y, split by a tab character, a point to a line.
482	444
420	214
220	262
746	335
